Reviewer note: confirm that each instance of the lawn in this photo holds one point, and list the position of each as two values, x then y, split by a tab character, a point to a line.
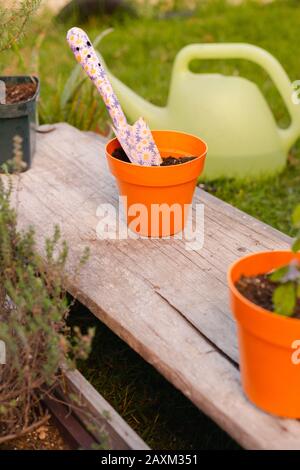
140	51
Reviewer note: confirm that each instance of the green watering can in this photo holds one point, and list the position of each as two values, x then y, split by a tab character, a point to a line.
229	113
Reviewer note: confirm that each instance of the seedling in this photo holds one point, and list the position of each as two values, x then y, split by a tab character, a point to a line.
287	294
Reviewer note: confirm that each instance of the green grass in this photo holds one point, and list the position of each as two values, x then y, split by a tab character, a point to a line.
140	52
271	201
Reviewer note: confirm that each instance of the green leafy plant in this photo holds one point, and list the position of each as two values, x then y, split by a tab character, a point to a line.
33	311
287	293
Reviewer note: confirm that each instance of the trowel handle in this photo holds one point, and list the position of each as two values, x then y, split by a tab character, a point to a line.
86	55
258	56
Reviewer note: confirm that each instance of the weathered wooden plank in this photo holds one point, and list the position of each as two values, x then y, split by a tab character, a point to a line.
150	292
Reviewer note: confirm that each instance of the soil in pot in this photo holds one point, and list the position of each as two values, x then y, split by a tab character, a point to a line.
20	92
259	290
167	161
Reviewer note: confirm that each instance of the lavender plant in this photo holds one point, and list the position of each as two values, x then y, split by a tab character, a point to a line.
33	311
13	21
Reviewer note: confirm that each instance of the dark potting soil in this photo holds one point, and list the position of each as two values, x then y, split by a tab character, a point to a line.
259	290
120	154
19	92
167	161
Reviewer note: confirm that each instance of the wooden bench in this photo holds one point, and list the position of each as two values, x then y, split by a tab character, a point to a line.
169	304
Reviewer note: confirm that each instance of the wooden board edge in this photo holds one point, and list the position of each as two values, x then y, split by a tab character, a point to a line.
105	419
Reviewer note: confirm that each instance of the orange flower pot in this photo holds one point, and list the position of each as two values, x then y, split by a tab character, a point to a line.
269	344
158	197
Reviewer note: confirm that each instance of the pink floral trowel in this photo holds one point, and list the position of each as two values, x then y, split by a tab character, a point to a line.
136	140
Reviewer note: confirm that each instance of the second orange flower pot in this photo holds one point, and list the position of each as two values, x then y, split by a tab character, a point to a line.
158	197
269	343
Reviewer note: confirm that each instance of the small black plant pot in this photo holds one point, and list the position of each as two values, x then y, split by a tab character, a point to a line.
18	122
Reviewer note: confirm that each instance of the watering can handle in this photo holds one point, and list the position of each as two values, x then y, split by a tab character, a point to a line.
254	54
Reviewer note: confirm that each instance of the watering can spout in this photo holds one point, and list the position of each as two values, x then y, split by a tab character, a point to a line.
134	105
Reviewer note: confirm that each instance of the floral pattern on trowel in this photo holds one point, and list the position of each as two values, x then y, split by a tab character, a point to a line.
136	140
